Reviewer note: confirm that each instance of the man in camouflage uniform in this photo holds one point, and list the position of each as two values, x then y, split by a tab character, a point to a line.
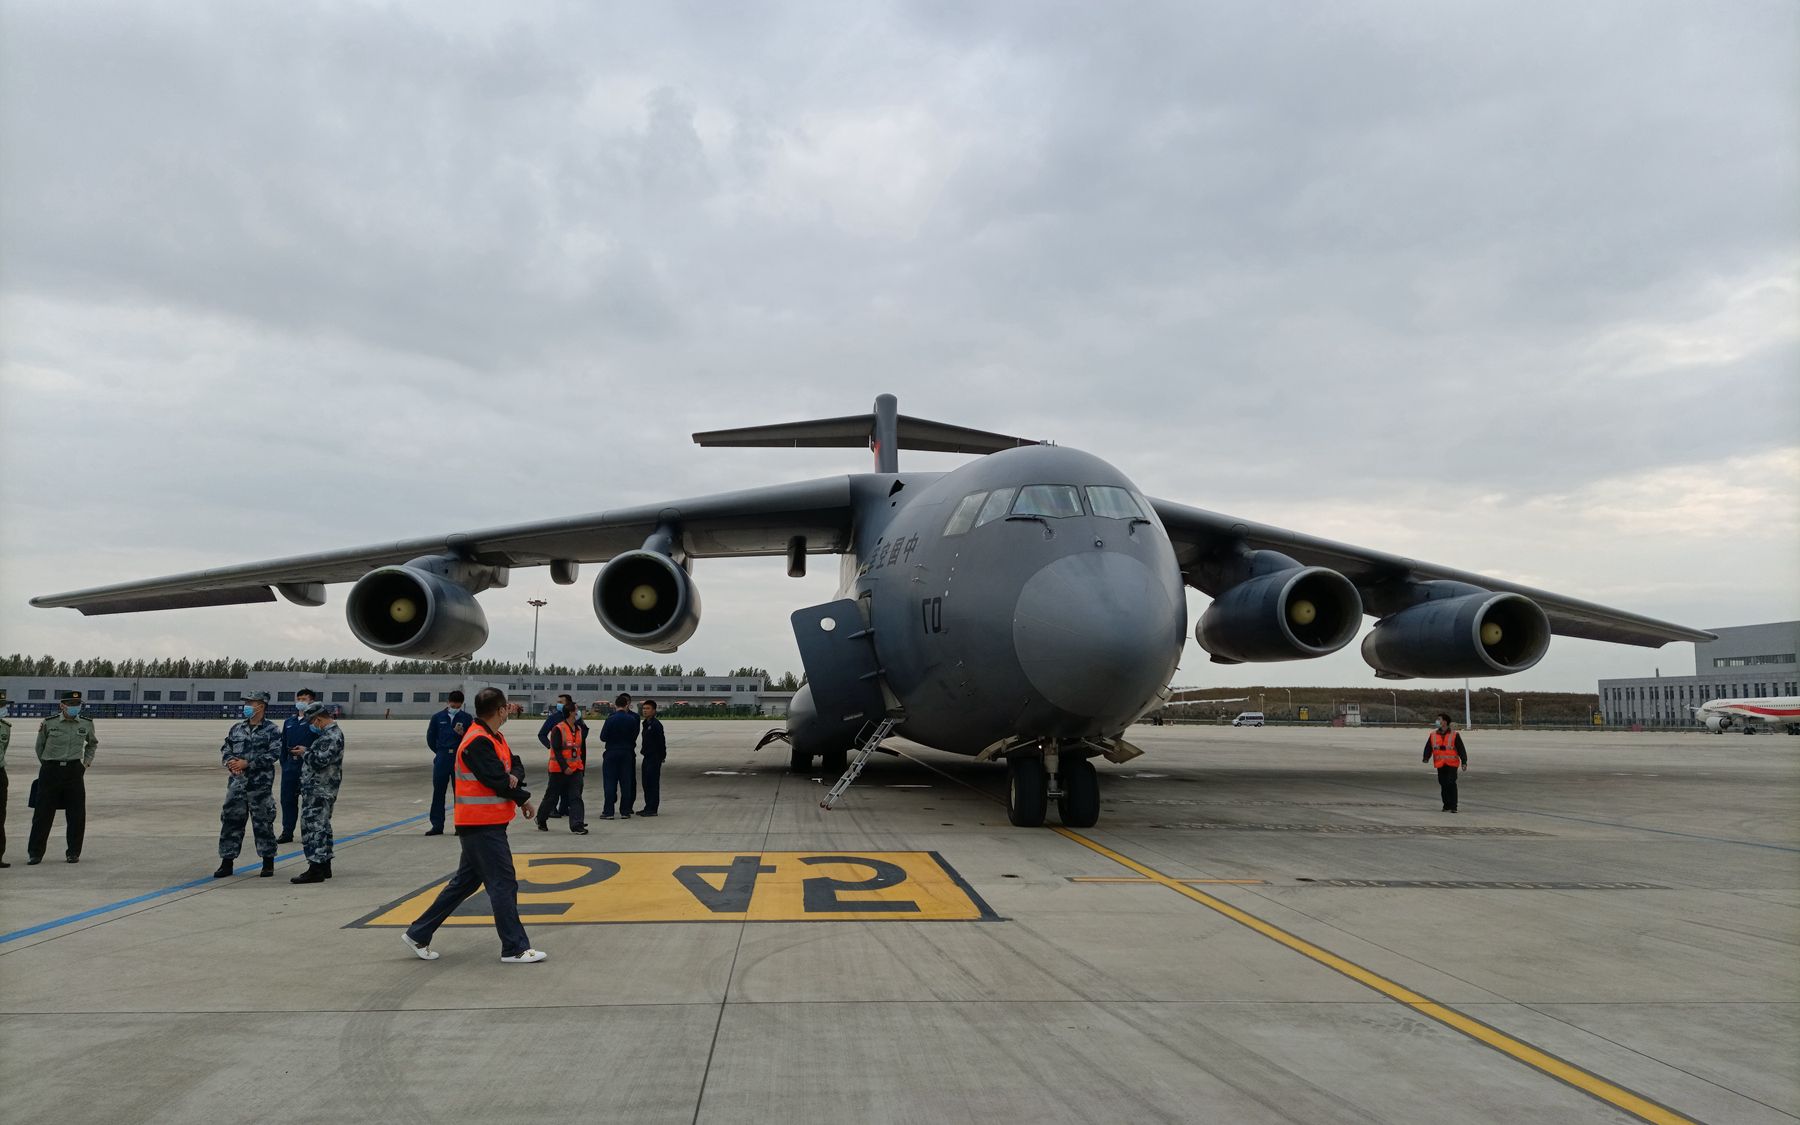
251	755
321	772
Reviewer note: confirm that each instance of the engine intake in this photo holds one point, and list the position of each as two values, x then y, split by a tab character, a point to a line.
1292	614
1475	634
406	611
647	600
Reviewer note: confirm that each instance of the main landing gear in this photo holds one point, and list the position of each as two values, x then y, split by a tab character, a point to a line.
1029	790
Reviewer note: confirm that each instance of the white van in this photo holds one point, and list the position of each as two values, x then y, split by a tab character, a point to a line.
1248	719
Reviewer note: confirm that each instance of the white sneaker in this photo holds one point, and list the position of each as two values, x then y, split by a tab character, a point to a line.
422	952
529	957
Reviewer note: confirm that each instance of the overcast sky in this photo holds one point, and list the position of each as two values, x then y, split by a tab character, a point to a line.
1513	287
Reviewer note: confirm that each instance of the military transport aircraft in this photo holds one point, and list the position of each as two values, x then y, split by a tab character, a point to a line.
1027	606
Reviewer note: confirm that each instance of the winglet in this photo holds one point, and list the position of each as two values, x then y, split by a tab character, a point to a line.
885	432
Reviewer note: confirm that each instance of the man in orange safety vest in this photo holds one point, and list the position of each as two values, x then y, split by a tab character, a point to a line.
488	786
1444	750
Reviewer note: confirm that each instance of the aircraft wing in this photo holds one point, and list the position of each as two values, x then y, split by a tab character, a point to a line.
755	521
1197	533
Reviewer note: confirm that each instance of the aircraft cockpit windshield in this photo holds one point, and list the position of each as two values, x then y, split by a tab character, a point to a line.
1054	501
1113	503
1044	501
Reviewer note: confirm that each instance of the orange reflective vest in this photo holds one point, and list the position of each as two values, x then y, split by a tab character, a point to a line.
574	749
476	804
1443	749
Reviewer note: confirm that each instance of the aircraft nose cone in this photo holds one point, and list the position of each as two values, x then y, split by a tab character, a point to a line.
1097	634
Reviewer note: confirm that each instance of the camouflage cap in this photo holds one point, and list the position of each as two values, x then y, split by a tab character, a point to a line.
313	711
256	697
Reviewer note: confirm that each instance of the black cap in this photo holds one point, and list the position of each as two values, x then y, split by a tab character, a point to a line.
70	698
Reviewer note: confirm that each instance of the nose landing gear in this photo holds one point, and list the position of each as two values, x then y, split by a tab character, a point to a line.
1030	788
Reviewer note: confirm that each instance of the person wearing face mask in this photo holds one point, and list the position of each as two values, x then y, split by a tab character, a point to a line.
5	739
488	792
322	774
296	733
443	735
251	755
65	750
1444	750
555	804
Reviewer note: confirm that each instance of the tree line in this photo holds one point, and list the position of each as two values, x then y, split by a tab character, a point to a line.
231	668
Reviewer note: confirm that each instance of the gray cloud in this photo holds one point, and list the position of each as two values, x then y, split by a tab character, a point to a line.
1412	261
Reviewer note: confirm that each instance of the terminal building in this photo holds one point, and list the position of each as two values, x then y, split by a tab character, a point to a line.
1746	662
378	697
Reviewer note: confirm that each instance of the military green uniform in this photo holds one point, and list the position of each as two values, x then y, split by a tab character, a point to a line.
65	749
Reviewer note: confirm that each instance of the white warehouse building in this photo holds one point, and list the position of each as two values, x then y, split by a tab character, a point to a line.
1746	662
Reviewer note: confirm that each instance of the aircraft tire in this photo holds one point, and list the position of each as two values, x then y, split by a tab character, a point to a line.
1027	791
799	760
1079	805
835	761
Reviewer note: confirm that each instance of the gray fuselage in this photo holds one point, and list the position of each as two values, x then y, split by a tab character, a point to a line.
1019	626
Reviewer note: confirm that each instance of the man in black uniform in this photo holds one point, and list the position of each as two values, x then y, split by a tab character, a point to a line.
655	748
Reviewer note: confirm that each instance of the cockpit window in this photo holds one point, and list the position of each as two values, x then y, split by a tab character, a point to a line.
1114	503
963	518
1057	501
997	502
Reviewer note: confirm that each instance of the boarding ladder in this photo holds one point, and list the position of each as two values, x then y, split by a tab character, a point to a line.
867	747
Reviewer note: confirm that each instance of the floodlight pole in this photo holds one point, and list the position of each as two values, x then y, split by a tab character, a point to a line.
537	605
1468	720
1396	698
1498	721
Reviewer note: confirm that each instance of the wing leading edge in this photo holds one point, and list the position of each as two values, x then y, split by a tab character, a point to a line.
755	521
1197	533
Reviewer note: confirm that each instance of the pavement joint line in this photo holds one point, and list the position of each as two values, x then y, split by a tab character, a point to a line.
1601	1089
1604	823
1652	1058
191	884
1139	880
712	1048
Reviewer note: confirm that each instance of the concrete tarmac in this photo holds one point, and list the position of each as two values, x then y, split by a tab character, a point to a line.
1606	932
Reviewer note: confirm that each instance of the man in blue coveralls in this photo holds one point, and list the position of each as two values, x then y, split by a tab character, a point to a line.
443	736
296	734
618	762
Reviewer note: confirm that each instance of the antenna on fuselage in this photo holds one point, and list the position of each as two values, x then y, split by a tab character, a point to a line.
884	432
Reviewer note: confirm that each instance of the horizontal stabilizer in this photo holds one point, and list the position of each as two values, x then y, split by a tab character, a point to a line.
856	431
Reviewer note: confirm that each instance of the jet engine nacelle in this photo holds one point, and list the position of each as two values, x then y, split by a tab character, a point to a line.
409	611
647	600
1718	724
1293	614
1474	634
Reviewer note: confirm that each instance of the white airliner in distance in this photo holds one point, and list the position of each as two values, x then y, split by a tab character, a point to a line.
1721	715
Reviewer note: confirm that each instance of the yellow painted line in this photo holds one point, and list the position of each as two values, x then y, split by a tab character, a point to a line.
591	888
1535	1057
1142	882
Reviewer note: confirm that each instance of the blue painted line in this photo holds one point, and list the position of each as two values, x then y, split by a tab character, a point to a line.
189	885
